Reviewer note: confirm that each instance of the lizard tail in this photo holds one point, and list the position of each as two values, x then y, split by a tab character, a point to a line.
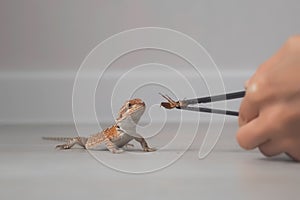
62	139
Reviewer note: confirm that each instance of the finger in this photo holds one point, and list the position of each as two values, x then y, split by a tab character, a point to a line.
248	111
293	149
294	156
254	133
272	147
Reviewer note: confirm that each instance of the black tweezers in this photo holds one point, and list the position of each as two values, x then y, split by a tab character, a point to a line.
184	104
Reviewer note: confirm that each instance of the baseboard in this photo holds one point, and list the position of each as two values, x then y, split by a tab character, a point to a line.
46	97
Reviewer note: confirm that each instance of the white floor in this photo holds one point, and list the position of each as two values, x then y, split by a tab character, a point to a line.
32	169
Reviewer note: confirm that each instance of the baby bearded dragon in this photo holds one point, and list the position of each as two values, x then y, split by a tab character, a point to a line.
116	136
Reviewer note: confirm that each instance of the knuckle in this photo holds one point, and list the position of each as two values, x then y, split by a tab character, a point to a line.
259	89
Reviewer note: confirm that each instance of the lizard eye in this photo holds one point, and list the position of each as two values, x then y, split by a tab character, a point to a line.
129	105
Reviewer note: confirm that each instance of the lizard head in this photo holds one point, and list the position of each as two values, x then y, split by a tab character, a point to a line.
132	109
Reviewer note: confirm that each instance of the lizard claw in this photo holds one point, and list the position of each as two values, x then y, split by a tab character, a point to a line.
150	149
62	146
117	151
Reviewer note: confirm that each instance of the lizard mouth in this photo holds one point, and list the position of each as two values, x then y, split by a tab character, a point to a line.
139	108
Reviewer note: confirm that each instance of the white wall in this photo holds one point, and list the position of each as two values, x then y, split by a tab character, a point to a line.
42	43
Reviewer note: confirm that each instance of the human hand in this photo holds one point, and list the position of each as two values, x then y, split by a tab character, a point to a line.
270	111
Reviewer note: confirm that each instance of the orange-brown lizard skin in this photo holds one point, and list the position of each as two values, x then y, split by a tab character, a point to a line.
116	136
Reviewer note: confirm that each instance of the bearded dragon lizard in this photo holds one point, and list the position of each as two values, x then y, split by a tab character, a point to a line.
116	136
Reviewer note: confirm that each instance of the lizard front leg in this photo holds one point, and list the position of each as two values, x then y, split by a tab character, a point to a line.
112	147
144	144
